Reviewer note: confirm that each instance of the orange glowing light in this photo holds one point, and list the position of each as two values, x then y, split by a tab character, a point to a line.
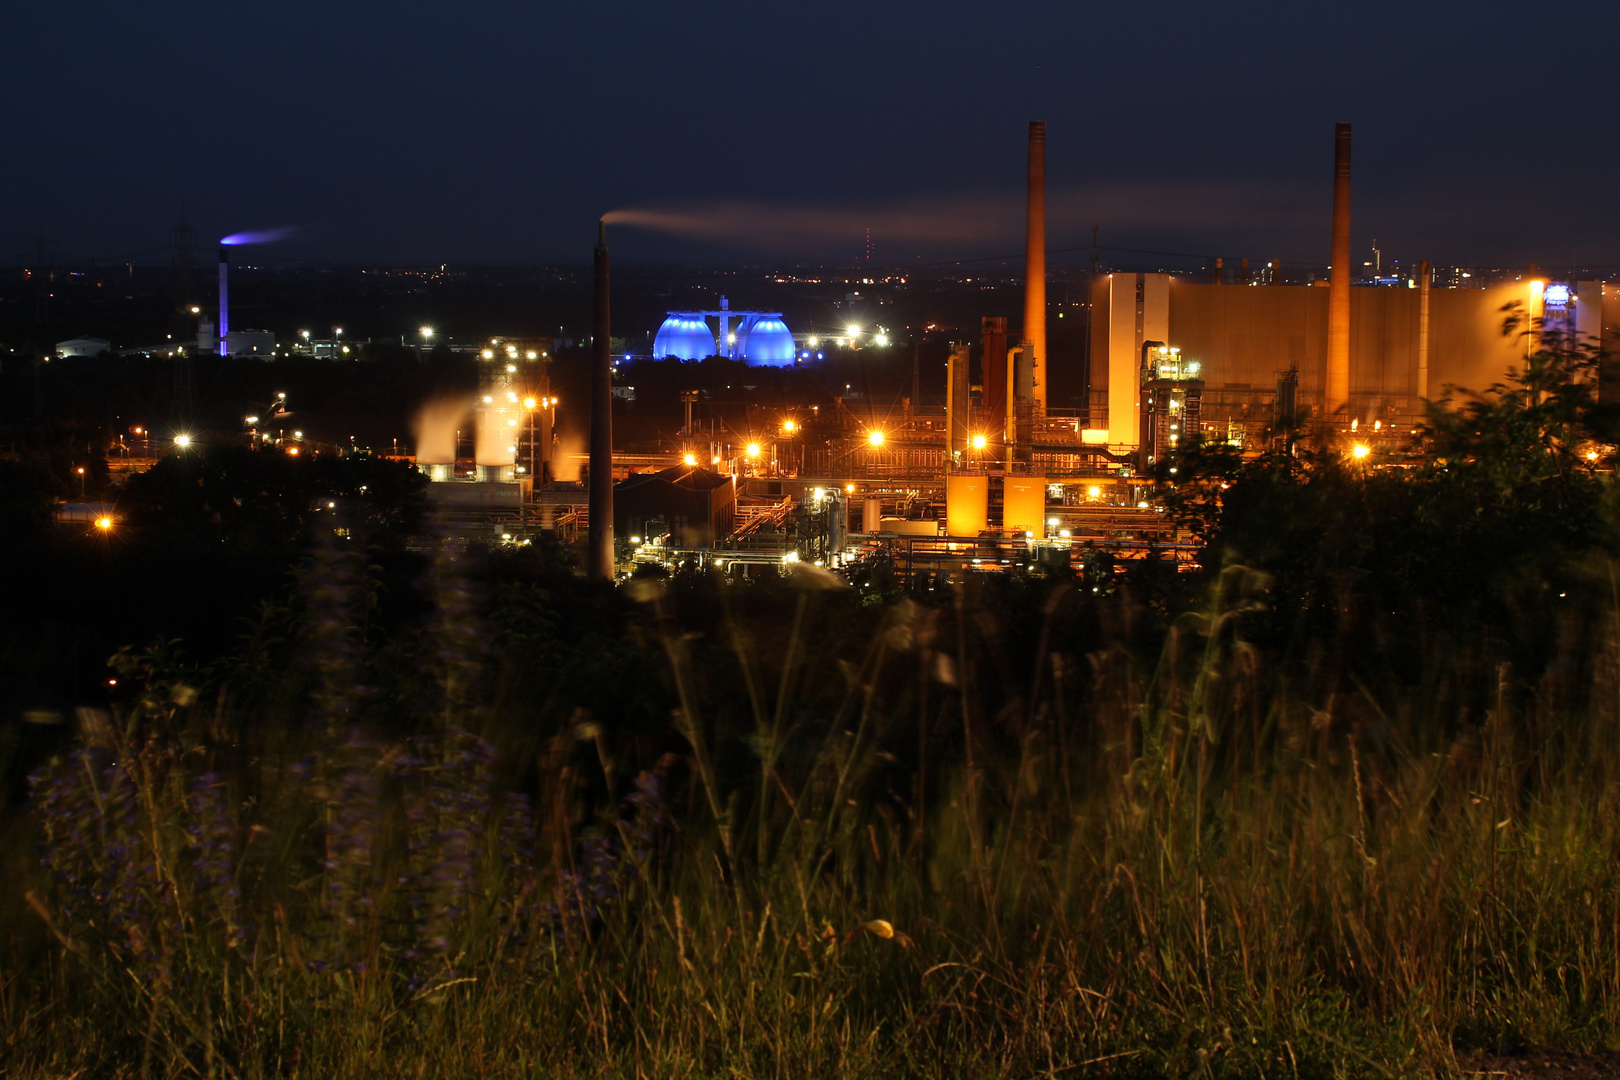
104	523
875	438
1360	450
691	459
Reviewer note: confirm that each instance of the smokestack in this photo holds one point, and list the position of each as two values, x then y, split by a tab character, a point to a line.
956	404
1035	258
1424	273
1338	356
224	297
599	539
993	366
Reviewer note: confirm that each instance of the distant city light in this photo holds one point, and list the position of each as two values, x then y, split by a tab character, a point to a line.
880	339
811	341
182	441
426	331
789	427
488	354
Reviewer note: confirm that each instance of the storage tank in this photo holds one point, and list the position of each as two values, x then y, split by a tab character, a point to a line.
967	504
765	341
1023	506
685	335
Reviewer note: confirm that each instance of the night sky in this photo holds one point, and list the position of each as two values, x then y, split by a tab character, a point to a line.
483	132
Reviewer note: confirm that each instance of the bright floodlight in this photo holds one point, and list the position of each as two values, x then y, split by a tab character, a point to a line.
880	339
812	341
753	449
691	459
1360	450
182	441
875	438
426	331
853	331
789	427
104	523
529	403
979	442
1093	492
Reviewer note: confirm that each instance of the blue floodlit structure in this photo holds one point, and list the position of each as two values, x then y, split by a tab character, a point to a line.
765	341
759	338
685	335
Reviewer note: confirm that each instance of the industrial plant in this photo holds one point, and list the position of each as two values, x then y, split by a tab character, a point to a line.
1011	448
998	476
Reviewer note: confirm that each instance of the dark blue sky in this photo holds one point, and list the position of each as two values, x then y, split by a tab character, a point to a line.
1485	133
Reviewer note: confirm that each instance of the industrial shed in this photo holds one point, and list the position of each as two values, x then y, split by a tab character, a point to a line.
696	506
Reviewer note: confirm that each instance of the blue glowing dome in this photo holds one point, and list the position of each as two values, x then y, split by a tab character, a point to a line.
766	341
684	336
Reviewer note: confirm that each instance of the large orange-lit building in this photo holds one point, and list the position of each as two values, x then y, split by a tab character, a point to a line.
1243	338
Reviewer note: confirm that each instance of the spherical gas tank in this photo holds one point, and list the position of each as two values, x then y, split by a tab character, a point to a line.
685	336
766	342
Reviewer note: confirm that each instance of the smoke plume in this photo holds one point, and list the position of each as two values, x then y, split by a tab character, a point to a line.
436	427
265	236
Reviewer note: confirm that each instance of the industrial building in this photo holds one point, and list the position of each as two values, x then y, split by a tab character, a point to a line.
759	338
998	477
693	505
1406	345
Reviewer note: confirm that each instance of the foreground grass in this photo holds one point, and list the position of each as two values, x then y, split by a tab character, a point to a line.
924	856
